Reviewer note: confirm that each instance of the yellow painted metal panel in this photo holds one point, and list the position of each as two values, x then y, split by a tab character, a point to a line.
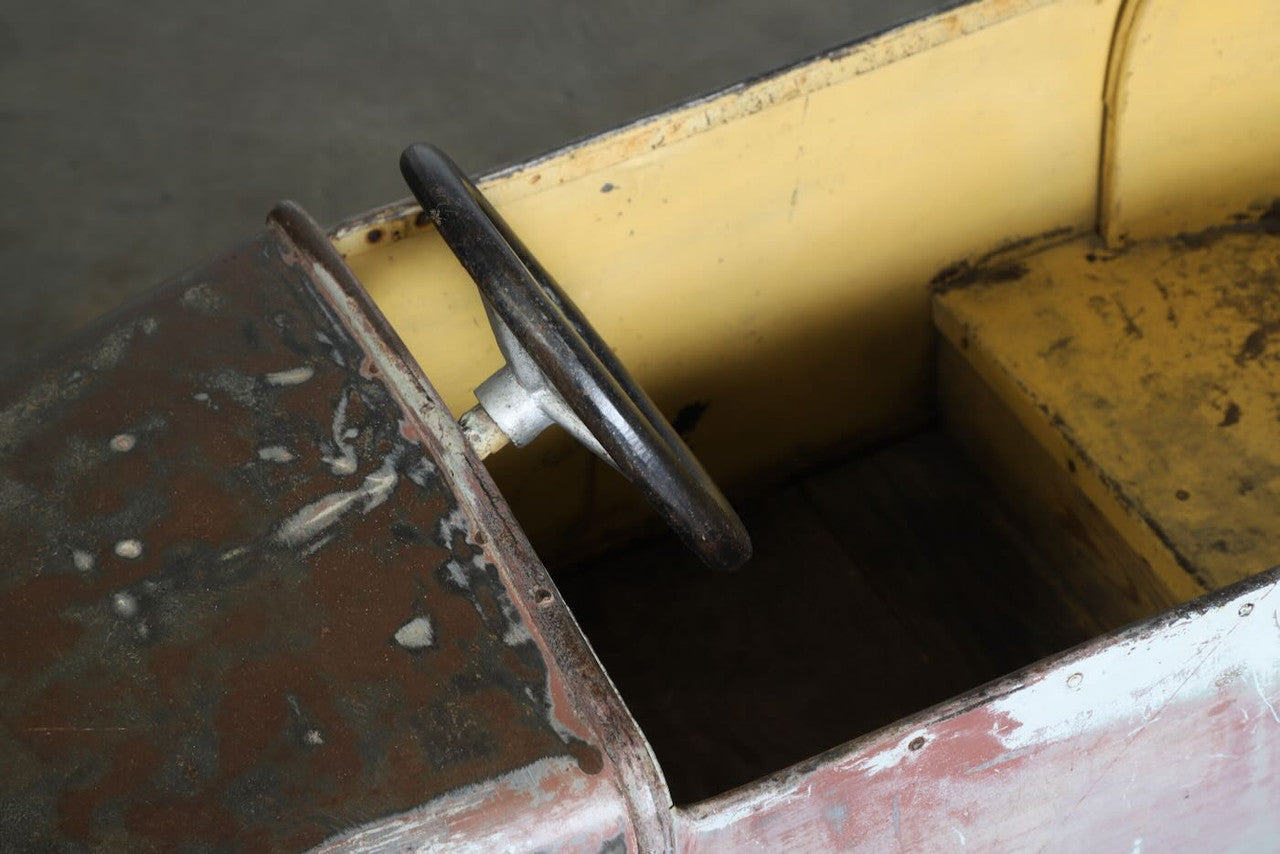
1154	372
1102	579
767	250
1194	105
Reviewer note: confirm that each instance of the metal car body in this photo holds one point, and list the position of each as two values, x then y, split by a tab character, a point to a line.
258	591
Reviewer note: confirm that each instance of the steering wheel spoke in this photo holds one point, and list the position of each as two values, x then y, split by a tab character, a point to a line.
560	371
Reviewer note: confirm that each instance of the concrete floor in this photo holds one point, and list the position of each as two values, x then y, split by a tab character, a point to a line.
141	138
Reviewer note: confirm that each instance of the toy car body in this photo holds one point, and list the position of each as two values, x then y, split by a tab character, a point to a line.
259	592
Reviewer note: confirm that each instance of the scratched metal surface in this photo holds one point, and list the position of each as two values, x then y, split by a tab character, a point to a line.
240	601
1164	736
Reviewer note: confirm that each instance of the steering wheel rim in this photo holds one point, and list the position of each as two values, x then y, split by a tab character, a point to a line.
575	360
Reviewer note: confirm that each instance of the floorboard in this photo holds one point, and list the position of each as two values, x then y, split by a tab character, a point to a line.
879	587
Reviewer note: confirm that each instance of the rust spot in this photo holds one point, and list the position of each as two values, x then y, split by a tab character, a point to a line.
964	275
1268	222
1131	327
916	743
1255	345
422	220
1231	415
1182	495
374	235
252	696
1056	345
995	266
607	187
588	758
30	637
132	764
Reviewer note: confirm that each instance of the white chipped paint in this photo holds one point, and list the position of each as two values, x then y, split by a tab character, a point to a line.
462	573
344	462
959	836
125	605
1266	701
890	757
123	443
241	388
232	554
1128	682
149	325
418	633
452	523
201	298
767	801
334	353
313	737
459	573
318	544
516	633
539	815
315	518
112	351
276	454
451	446
343	465
201	397
129	549
292	376
82	560
421	471
1132	681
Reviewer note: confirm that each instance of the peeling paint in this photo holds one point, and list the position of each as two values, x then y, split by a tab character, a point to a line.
291	376
244	647
313	519
201	298
1166	710
129	549
1175	662
344	463
125	605
418	633
276	454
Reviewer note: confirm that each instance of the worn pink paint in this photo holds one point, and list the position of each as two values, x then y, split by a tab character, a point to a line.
1163	736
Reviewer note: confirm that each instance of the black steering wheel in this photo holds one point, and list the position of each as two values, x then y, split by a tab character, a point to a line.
575	362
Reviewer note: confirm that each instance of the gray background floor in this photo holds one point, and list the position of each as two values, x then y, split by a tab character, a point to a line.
144	137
